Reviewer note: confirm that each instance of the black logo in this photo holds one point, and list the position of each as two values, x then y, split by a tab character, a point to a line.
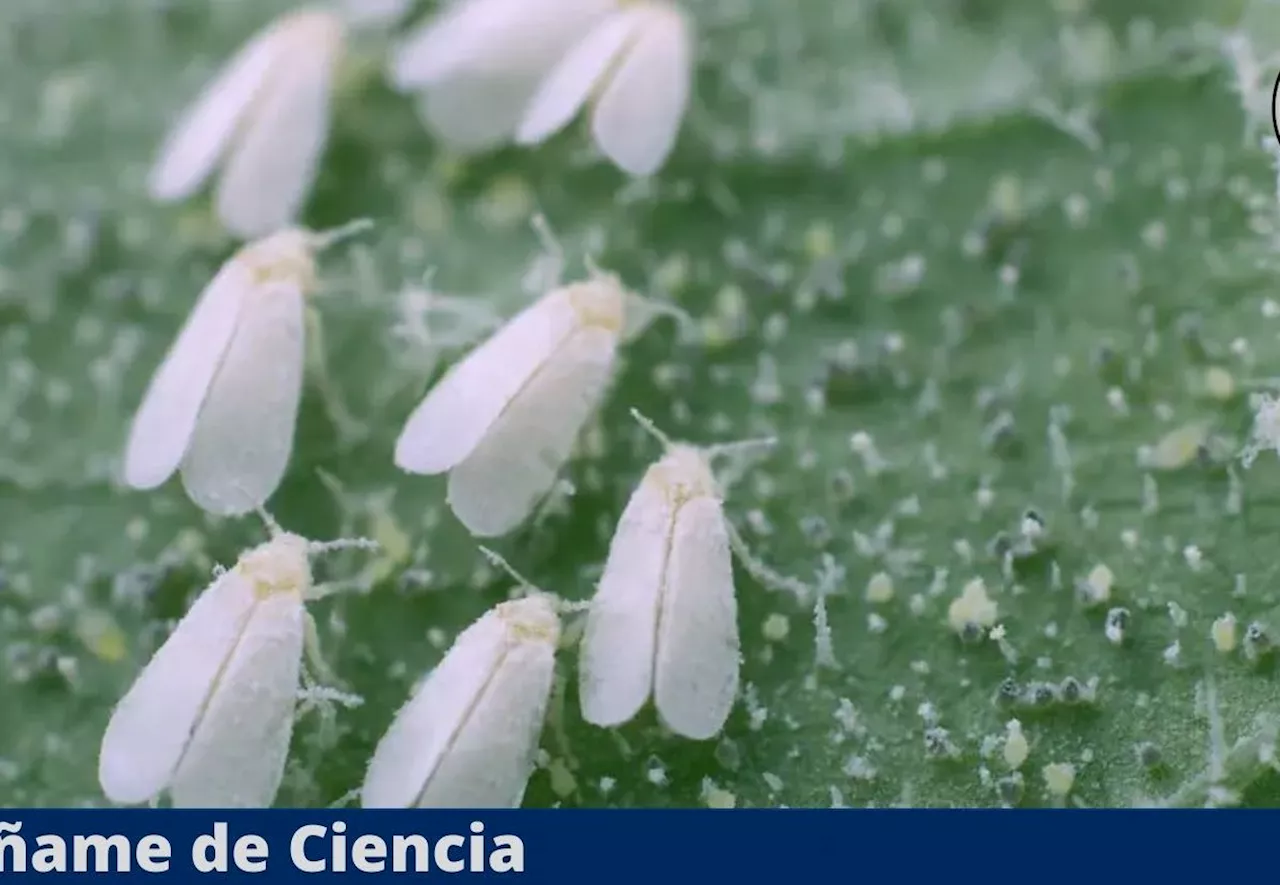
1275	104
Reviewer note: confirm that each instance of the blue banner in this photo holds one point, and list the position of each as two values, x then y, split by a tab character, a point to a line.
642	847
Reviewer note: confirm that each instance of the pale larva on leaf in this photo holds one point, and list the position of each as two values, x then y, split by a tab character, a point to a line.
663	621
222	405
635	68
504	420
476	65
263	121
210	717
468	735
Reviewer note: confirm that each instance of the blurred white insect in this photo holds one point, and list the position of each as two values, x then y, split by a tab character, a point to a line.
468	736
504	420
264	120
210	717
223	404
490	71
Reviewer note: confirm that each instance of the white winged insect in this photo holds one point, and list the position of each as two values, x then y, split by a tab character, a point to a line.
664	618
476	65
504	420
263	120
222	405
210	717
635	68
488	71
468	735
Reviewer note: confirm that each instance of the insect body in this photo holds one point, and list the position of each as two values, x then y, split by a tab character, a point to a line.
504	420
489	71
635	68
468	735
210	717
263	121
664	618
222	406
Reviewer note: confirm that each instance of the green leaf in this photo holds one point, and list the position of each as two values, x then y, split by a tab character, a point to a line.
964	259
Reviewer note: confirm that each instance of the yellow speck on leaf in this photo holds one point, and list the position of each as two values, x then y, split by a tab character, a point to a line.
101	635
1016	747
1059	778
880	587
1224	633
1177	448
819	240
1098	584
972	608
1219	383
776	627
563	783
508	201
718	797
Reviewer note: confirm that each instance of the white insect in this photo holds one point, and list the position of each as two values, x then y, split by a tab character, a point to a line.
210	716
488	71
468	736
264	120
664	619
223	404
504	420
475	66
636	69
